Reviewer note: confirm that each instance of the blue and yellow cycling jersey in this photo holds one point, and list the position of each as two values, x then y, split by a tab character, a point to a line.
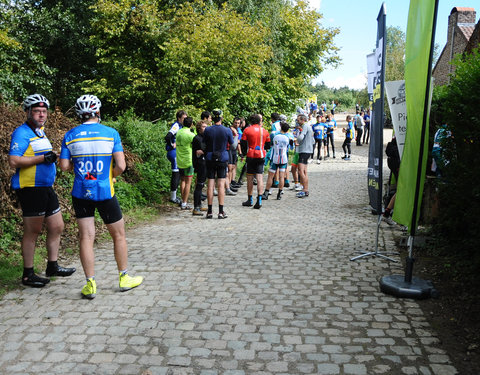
91	148
349	131
27	142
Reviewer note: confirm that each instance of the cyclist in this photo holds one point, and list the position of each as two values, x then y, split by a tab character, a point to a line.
216	138
32	156
171	147
95	153
255	140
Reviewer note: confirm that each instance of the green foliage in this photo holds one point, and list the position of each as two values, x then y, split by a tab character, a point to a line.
9	236
45	48
344	97
459	190
22	68
395	54
149	176
237	56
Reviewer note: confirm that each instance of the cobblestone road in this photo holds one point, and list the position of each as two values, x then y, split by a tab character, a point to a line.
268	291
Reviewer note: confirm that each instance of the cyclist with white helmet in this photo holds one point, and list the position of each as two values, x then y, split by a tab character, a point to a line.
32	156
95	153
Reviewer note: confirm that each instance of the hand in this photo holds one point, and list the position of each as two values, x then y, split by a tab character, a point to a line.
50	157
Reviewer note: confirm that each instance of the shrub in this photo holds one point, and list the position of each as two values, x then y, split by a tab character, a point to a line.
459	190
149	174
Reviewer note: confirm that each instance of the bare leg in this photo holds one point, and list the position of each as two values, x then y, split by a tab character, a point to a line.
281	181
186	188
54	224
210	188
221	191
32	227
117	231
270	180
86	227
302	171
260	183
250	184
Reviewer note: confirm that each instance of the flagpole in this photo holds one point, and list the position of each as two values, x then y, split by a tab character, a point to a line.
410	260
408	286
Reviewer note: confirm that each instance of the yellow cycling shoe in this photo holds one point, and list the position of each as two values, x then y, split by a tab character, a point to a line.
89	291
127	282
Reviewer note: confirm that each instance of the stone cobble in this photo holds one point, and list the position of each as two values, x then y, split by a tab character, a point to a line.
270	291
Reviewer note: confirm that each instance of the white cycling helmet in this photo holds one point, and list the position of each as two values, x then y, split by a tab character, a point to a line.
87	105
35	100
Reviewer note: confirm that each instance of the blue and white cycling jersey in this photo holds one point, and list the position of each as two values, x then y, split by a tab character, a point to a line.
91	148
174	130
318	130
280	149
330	126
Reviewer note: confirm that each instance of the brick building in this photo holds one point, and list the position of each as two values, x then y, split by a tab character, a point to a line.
462	37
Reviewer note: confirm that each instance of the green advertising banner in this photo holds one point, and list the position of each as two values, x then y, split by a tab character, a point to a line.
421	18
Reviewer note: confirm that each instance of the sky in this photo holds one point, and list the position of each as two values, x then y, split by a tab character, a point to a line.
357	21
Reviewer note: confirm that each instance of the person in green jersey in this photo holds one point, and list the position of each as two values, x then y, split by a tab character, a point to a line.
184	160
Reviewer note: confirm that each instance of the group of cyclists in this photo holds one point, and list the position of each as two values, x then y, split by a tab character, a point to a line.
215	150
95	154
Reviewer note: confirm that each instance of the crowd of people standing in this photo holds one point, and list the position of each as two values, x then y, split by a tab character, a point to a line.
206	149
285	149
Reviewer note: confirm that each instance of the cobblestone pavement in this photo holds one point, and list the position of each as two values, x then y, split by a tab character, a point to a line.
270	291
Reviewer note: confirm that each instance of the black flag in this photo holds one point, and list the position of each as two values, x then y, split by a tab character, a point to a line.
375	155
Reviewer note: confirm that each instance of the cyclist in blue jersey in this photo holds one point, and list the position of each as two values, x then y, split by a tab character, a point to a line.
349	135
95	153
318	135
32	156
330	130
171	147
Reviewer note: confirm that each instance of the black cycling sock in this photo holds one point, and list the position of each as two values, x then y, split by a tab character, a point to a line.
250	198
209	209
27	272
174	181
220	208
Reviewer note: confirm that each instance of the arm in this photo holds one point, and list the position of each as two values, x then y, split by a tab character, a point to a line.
169	139
120	165
301	136
24	161
65	165
244	146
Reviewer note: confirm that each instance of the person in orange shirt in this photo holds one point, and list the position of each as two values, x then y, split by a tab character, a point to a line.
255	141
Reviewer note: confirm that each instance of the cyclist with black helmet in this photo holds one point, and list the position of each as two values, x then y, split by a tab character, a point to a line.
32	156
95	153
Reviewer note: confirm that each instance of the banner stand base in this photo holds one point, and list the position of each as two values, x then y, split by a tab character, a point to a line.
396	285
375	253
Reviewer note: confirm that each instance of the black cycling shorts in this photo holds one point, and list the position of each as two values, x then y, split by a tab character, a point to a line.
216	168
38	201
109	210
255	165
303	158
232	157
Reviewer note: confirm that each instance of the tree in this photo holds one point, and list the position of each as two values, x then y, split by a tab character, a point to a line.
395	54
23	69
54	54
